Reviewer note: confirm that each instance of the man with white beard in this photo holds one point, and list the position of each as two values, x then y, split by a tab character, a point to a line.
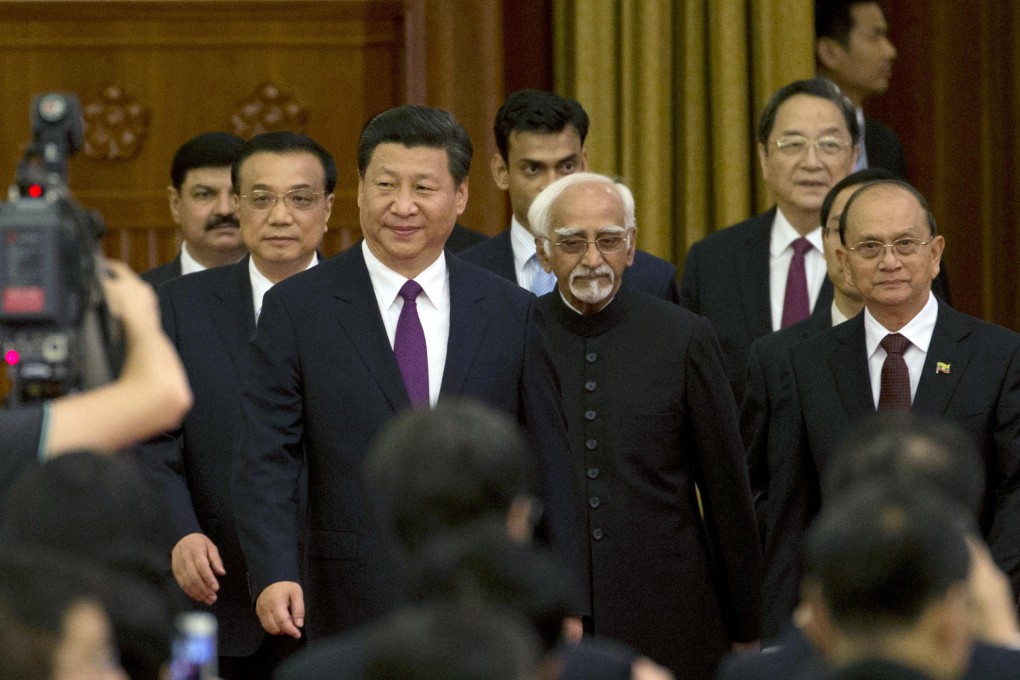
650	416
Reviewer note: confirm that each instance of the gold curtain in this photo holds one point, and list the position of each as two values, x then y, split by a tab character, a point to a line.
673	89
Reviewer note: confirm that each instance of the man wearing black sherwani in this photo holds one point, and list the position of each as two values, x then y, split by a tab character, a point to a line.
650	416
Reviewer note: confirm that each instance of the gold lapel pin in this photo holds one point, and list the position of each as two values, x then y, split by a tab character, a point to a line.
941	367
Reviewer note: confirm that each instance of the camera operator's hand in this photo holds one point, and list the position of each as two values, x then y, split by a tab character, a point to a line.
150	396
196	563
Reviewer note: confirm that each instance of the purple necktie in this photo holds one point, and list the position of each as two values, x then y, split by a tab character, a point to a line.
410	349
795	304
894	394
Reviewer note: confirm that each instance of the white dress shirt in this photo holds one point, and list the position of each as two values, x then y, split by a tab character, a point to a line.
780	256
189	265
260	284
433	309
526	266
918	331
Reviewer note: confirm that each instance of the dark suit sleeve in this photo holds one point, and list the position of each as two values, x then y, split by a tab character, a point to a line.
20	431
542	417
265	491
689	294
161	459
714	432
1004	532
755	416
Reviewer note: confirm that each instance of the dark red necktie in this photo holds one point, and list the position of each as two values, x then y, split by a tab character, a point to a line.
796	306
894	394
409	347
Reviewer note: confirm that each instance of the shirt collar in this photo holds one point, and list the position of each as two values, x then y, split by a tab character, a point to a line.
918	330
523	243
837	316
783	234
387	283
189	265
260	285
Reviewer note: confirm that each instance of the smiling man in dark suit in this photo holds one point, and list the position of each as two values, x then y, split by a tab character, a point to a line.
935	362
283	191
389	324
768	272
540	136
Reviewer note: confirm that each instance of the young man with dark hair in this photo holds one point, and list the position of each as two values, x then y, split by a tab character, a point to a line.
853	50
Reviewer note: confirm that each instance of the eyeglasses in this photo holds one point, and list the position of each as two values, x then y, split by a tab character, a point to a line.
795	145
607	244
295	199
869	250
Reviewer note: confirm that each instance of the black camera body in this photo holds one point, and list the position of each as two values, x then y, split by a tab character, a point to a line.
55	331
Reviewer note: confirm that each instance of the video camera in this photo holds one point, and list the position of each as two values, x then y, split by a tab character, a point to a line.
56	334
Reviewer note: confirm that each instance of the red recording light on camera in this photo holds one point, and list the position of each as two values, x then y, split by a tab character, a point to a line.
35	191
12	357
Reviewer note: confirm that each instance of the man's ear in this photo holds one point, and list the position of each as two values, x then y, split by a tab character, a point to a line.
829	53
500	173
543	255
174	198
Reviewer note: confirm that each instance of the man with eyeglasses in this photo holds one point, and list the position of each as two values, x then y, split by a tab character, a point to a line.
774	485
768	272
650	417
908	350
390	324
202	204
282	193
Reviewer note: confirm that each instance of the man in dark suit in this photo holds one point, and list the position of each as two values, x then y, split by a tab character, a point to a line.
764	396
202	204
946	365
650	418
540	137
768	272
283	185
853	50
389	324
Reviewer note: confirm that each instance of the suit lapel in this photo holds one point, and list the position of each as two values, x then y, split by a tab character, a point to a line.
849	365
359	317
947	347
753	276
237	311
469	318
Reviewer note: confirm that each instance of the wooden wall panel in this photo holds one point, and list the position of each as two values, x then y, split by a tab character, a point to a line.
190	65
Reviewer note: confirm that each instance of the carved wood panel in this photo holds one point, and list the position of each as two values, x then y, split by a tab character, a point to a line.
162	72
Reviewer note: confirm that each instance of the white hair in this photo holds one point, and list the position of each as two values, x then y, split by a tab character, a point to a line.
538	213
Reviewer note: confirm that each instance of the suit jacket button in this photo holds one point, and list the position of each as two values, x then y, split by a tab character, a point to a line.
590	386
589	415
597	534
591	444
594	502
591	357
593	473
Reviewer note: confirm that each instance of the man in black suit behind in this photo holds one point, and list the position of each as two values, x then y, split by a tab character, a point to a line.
957	368
324	378
202	205
853	50
540	136
283	191
741	277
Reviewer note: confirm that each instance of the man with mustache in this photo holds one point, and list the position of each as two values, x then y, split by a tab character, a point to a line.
282	193
650	416
202	204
